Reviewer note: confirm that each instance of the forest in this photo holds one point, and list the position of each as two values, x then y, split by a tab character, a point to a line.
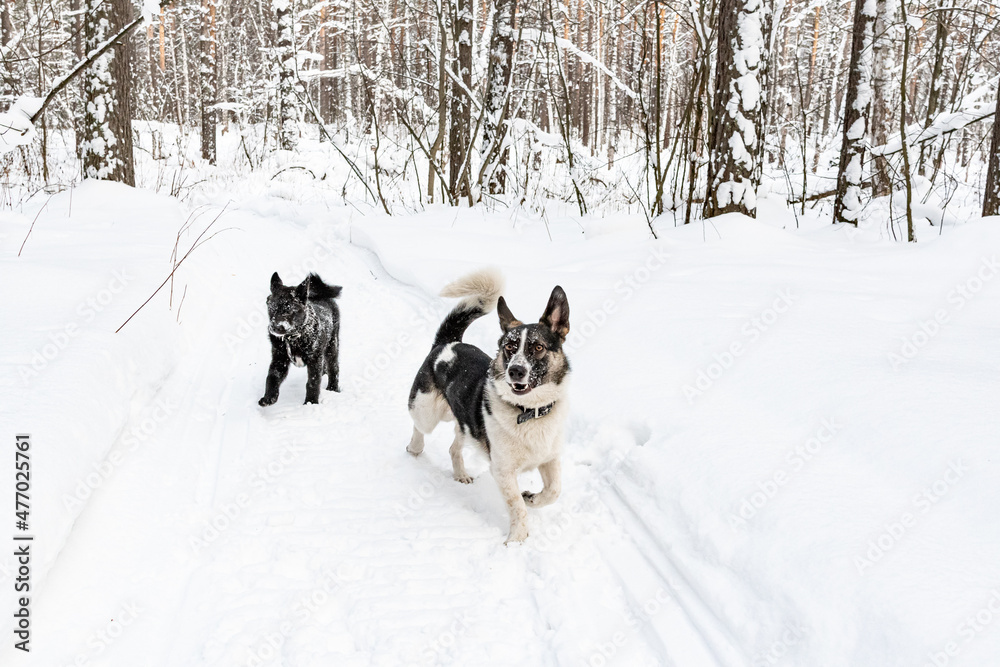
654	107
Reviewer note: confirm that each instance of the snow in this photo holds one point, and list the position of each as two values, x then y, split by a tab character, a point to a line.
750	90
16	128
858	129
780	448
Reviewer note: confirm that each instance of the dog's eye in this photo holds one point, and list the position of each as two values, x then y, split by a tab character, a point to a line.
538	348
510	348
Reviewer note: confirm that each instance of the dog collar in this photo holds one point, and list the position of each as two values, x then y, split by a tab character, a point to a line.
528	414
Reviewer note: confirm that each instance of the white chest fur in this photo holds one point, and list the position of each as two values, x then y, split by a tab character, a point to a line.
298	361
526	445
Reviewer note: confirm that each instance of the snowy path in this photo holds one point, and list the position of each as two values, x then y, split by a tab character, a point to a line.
327	540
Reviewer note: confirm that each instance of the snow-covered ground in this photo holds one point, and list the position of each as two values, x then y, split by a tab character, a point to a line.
781	448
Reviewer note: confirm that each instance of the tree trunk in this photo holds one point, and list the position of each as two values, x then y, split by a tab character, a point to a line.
907	181
935	84
106	146
183	93
737	134
654	143
497	100
461	105
442	110
288	104
325	83
991	197
881	108
6	76
6	25
208	76
857	110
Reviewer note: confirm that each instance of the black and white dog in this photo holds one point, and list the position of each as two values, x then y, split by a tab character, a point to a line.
513	406
305	330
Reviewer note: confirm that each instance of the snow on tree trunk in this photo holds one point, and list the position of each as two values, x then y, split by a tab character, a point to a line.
737	136
208	77
461	105
288	87
106	143
991	197
501	61
857	111
881	115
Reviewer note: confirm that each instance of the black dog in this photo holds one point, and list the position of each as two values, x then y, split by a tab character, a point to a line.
304	329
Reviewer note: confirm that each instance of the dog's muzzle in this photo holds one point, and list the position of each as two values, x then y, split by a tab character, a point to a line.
517	378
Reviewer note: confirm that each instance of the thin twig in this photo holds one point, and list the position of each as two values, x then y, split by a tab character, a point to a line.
33	224
197	242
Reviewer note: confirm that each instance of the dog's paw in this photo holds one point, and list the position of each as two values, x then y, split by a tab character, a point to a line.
267	400
539	499
335	388
517	534
464	479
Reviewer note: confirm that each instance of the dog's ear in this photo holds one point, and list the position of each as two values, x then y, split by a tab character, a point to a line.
302	291
507	319
556	316
276	282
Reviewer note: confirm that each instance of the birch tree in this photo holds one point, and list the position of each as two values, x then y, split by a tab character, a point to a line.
857	110
208	78
881	113
287	91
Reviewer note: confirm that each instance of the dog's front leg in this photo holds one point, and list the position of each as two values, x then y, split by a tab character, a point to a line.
552	485
276	374
313	380
507	481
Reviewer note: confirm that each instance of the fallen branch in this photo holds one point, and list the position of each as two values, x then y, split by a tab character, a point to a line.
816	196
281	171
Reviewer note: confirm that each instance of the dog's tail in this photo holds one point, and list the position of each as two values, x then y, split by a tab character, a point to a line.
317	290
479	292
